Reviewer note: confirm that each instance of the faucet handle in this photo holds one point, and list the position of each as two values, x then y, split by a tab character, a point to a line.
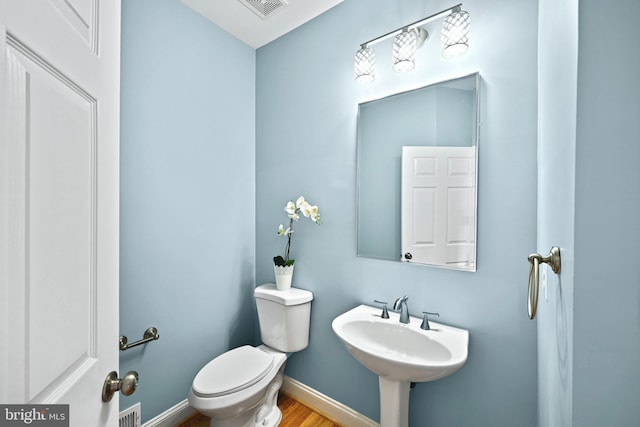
425	320
385	313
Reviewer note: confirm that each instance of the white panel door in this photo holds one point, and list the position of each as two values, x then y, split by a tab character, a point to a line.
59	94
438	205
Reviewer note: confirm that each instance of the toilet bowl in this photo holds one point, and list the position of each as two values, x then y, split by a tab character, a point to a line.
240	388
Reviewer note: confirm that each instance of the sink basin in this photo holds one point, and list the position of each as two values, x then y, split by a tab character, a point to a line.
400	354
398	351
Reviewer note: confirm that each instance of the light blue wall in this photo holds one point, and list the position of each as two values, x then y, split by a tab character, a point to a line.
457	130
306	144
589	198
380	141
557	77
187	196
607	287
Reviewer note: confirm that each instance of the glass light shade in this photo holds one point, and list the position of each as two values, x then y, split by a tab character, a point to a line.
365	65
455	33
404	51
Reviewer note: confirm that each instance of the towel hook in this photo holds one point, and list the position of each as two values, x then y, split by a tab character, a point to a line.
553	259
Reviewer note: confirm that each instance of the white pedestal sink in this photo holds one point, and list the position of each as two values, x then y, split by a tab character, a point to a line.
400	354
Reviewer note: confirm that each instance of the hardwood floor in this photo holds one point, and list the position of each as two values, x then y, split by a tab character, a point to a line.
294	414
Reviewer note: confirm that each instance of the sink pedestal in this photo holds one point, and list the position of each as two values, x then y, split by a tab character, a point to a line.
394	403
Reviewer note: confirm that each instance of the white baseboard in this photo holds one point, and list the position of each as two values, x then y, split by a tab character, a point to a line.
324	405
172	416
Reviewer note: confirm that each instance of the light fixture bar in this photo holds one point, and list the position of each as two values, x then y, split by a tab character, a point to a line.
411	26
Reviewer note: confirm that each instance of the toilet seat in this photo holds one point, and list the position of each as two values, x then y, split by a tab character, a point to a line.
232	371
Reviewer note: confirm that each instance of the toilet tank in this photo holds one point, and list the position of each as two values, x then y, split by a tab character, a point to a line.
284	317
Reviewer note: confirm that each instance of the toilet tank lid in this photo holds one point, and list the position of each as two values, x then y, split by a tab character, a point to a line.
293	296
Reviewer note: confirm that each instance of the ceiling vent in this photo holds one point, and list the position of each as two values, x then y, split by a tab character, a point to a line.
264	8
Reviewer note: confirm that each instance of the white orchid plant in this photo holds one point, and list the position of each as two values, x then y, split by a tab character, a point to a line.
293	212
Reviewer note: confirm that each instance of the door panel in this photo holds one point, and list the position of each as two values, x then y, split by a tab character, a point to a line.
81	15
59	217
59	211
423	218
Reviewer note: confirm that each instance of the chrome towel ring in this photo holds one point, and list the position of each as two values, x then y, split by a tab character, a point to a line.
553	259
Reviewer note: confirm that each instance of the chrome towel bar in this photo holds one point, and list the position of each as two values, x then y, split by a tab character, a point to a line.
553	259
151	334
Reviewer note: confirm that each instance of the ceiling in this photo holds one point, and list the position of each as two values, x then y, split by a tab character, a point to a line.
258	22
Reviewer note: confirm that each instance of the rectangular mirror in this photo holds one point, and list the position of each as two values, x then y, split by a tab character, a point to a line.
417	175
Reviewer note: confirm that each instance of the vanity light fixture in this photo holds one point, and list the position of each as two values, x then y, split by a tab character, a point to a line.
408	39
455	33
405	47
365	65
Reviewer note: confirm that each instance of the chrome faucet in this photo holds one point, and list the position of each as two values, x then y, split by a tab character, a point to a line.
401	304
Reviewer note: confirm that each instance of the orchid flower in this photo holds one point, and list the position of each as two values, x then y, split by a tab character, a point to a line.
290	208
305	208
293	210
283	232
315	215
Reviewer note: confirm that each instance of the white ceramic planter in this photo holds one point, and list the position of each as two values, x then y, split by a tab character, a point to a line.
283	277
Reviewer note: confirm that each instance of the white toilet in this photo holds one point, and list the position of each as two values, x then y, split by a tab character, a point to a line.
240	387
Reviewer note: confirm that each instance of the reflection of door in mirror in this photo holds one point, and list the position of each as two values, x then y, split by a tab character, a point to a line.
438	206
